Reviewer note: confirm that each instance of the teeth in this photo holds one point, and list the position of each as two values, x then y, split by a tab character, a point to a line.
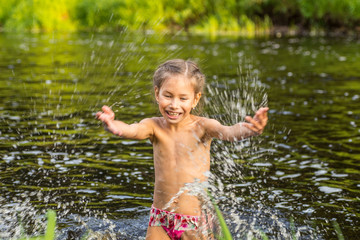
173	114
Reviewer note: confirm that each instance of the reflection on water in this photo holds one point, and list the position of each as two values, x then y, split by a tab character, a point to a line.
54	154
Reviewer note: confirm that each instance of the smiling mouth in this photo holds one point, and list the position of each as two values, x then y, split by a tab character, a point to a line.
172	115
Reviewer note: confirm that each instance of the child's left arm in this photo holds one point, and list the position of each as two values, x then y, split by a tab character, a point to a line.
253	127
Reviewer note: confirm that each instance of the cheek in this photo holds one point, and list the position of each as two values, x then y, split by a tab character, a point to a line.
187	105
163	103
162	106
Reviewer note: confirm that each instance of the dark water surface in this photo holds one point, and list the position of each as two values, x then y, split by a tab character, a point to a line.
55	155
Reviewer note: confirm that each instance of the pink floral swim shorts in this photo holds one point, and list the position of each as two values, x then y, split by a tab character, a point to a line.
173	223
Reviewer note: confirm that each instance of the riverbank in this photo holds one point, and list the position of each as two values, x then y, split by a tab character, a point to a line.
274	31
243	18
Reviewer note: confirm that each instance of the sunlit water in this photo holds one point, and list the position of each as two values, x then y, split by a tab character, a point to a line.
55	155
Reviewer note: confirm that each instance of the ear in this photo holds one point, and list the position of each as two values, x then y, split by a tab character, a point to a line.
156	89
197	99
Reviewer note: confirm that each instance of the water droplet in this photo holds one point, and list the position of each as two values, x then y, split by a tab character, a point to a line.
320	172
355	97
329	190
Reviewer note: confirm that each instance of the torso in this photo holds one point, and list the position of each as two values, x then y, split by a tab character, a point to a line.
180	157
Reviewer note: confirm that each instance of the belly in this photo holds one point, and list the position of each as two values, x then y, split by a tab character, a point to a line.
179	189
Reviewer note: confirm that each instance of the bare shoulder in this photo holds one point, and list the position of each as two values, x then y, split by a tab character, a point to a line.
151	123
146	128
148	121
154	121
212	127
208	123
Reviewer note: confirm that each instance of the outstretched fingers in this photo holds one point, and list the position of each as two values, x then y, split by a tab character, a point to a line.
253	125
108	112
106	115
102	116
258	122
261	116
98	115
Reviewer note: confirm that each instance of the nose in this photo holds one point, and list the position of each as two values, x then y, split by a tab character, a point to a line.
174	103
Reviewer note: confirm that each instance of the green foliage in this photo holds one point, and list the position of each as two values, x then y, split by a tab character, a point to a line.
226	235
6	9
211	16
263	235
50	228
338	231
324	12
46	15
98	14
292	228
18	15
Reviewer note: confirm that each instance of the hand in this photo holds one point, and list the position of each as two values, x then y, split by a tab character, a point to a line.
107	116
258	122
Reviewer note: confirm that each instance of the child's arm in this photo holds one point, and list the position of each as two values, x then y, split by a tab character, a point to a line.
141	130
254	126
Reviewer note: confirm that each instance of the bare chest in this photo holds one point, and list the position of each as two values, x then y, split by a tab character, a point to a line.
181	145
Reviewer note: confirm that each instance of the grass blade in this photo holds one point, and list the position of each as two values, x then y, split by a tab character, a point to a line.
224	228
51	225
338	231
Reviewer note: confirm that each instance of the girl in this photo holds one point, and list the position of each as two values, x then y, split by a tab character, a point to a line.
181	146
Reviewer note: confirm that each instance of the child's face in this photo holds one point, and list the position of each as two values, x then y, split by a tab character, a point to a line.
176	98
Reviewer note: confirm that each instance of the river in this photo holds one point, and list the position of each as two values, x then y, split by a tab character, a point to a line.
302	176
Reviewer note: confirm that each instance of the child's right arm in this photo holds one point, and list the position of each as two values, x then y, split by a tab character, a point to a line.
141	130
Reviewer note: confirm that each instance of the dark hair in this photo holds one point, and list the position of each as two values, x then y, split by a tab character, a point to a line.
180	67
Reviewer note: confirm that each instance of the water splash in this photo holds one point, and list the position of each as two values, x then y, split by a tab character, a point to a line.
19	217
234	181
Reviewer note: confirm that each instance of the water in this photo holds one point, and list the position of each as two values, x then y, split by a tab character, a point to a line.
54	154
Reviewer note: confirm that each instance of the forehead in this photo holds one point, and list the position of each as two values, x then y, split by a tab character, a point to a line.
178	84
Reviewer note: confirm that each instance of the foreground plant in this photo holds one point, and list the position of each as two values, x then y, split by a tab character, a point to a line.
226	235
50	228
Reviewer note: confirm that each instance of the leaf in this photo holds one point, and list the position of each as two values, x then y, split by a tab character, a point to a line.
226	235
51	225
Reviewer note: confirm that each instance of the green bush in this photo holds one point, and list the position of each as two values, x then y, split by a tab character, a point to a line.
330	13
46	15
211	16
50	228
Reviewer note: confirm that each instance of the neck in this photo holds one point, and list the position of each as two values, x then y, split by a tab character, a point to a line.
180	125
